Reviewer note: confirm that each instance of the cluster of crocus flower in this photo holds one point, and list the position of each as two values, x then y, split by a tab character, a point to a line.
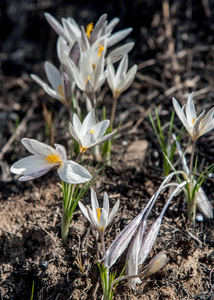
86	60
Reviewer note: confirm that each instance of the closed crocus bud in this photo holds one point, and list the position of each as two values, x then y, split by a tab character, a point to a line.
156	263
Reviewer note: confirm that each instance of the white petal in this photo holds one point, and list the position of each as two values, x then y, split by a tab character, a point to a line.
93	218
190	110
113	212
74	134
103	219
123	66
72	172
27	164
100	128
118	36
106	202
36	172
61	151
181	115
35	147
53	75
94	202
203	204
88	122
119	52
84	210
112	24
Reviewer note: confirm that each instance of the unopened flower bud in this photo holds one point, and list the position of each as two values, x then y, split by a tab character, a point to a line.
155	264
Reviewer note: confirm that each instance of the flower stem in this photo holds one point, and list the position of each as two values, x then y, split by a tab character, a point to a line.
103	242
191	160
191	204
113	110
65	222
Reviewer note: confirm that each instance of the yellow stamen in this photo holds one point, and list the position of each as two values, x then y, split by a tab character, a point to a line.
93	66
88	78
83	149
193	121
157	262
89	29
92	131
54	158
101	48
99	214
60	90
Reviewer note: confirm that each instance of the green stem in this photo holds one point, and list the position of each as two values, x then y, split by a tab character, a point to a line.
65	222
191	204
191	160
113	110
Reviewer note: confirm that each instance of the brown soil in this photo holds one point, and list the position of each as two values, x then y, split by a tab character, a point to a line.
175	57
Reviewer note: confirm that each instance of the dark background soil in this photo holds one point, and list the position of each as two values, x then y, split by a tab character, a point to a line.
174	50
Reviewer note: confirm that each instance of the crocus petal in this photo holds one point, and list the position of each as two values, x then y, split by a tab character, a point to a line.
106	202
72	172
88	122
119	52
190	110
27	164
94	202
132	255
100	128
112	24
35	147
36	172
74	133
118	36
93	218
103	222
181	114
203	204
156	263
113	212
61	151
105	138
123	239
53	75
84	210
51	92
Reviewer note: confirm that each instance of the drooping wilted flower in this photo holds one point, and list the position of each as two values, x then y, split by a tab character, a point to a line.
45	158
122	79
196	126
89	133
100	217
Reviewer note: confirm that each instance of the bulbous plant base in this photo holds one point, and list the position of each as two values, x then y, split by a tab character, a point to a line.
191	210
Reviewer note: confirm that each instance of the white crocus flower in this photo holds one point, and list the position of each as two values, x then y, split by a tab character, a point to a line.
122	79
100	217
202	202
56	90
90	75
88	133
196	126
45	158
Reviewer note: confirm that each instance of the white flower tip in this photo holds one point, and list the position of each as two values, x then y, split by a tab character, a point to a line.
156	263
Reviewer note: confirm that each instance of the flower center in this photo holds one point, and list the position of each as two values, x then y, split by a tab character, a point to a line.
92	131
54	158
99	210
101	48
88	78
60	91
89	29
